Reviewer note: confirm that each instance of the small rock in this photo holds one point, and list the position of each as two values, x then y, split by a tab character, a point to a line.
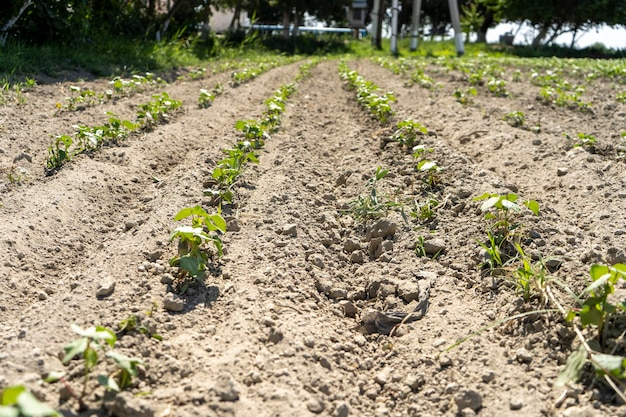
226	389
445	361
127	405
357	257
315	405
323	285
537	142
468	398
586	411
42	295
276	335
516	404
451	388
382	228
382	377
106	287
343	178
317	260
523	356
561	171
290	230
167	279
338	294
309	341
360	340
468	412
348	308
173	302
351	245
488	376
341	410
433	246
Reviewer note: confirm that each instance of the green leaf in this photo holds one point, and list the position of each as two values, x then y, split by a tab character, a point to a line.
598	282
490	202
590	315
125	362
6	411
77	347
91	358
97	333
108	383
54	376
216	222
183	214
612	363
573	367
10	394
192	265
532	206
32	407
597	271
510	205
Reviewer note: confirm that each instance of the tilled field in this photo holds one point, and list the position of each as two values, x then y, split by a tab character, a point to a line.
303	315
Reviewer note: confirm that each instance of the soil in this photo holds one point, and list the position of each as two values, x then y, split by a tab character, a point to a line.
295	319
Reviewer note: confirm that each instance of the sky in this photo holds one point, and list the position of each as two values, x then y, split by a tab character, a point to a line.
614	38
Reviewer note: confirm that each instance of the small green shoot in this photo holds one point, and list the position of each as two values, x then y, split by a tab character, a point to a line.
515	118
407	132
432	171
17	401
465	96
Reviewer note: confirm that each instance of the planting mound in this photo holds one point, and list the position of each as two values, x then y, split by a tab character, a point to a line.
340	292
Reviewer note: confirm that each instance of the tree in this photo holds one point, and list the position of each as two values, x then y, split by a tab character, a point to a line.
4	30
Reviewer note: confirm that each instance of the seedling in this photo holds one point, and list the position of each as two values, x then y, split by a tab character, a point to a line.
465	96
501	212
197	74
16	401
584	140
157	110
408	131
420	250
432	171
192	257
621	97
59	152
531	278
374	205
515	119
378	105
207	97
497	87
425	210
86	347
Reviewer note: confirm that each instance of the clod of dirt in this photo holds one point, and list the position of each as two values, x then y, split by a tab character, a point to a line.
127	405
433	246
106	287
173	302
468	398
382	228
226	389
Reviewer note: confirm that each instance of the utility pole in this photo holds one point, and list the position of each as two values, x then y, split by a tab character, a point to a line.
376	24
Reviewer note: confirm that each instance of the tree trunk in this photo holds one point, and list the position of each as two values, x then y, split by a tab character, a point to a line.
296	23
236	17
484	27
543	31
381	14
4	30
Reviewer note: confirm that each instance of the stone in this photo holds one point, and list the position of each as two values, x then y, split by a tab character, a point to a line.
127	405
106	287
408	291
468	398
382	228
343	178
173	302
341	410
338	294
357	257
487	376
42	295
433	246
315	405
351	245
516	404
349	309
523	356
561	171
317	260
290	230
226	389
382	377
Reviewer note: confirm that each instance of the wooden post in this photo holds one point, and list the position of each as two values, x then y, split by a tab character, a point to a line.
376	24
394	27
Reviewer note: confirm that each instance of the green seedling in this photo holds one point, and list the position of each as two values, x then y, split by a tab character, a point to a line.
253	131
497	87
15	175
420	250
493	249
378	105
157	110
207	97
465	96
583	140
426	210
192	257
132	323
93	340
621	97
17	401
432	171
197	74
374	205
517	76
531	278
515	119
408	131
422	79
59	152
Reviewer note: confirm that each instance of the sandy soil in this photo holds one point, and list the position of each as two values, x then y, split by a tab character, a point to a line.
287	326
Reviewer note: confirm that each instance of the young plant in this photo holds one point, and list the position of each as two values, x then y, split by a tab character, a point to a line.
91	341
372	206
497	87
157	110
17	401
515	119
207	97
408	131
192	257
621	97
584	140
432	171
426	210
59	153
465	96
531	278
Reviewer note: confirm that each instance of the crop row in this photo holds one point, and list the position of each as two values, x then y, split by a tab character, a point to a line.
592	314
367	94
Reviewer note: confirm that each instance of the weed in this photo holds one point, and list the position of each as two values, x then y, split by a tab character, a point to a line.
515	119
17	401
192	256
374	205
420	250
531	278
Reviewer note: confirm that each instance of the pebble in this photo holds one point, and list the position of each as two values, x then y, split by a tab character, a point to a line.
445	361
523	355
173	302
348	308
167	279
561	172
317	260
290	230
341	410
360	340
451	388
315	405
415	382
468	412
382	377
433	246
337	293
488	376
516	404
468	398
226	389
42	295
106	287
382	228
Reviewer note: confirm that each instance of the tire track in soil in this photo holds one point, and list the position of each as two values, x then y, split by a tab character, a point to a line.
100	217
